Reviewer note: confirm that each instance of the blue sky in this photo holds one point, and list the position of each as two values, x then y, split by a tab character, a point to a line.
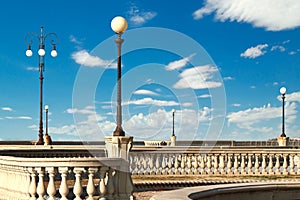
219	63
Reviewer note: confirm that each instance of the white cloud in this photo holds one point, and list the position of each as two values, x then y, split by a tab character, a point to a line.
278	47
32	69
7	109
138	17
75	40
204	114
83	57
145	92
228	78
178	64
200	77
273	15
254	52
86	110
150	101
293	97
236	105
20	117
247	119
158	124
204	96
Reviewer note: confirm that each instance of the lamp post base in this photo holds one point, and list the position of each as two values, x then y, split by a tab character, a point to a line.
283	141
119	131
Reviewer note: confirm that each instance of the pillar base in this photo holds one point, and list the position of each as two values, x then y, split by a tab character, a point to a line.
173	140
118	146
282	141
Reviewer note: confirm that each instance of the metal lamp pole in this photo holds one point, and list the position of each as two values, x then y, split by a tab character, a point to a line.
173	114
119	26
41	53
283	92
46	109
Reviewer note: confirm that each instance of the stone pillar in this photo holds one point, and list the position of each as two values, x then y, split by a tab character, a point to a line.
119	147
173	140
283	141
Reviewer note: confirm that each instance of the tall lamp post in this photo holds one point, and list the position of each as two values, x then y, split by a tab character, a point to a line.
173	137
41	55
119	26
173	114
283	92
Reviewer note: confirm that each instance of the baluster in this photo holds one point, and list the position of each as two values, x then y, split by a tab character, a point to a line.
110	184
145	166
263	164
229	165
236	164
77	190
284	165
140	165
292	164
216	164
298	164
151	164
157	164
202	165
182	164
32	187
102	188
90	188
195	164
270	166
170	163
222	164
249	164
27	196
51	186
189	165
63	189
277	165
256	164
243	164
135	169
176	165
41	186
163	165
208	164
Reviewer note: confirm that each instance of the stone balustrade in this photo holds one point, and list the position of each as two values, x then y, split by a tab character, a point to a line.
58	177
214	161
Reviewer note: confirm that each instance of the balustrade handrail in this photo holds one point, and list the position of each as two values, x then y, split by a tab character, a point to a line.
62	162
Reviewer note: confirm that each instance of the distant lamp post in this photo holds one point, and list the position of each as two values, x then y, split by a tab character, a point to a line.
41	53
46	109
173	137
173	129
119	26
283	92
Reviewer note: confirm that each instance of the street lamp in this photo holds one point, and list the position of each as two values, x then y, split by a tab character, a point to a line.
283	92
119	26
41	53
173	114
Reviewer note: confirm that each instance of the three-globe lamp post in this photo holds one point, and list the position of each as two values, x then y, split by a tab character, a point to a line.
283	92
41	55
119	26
